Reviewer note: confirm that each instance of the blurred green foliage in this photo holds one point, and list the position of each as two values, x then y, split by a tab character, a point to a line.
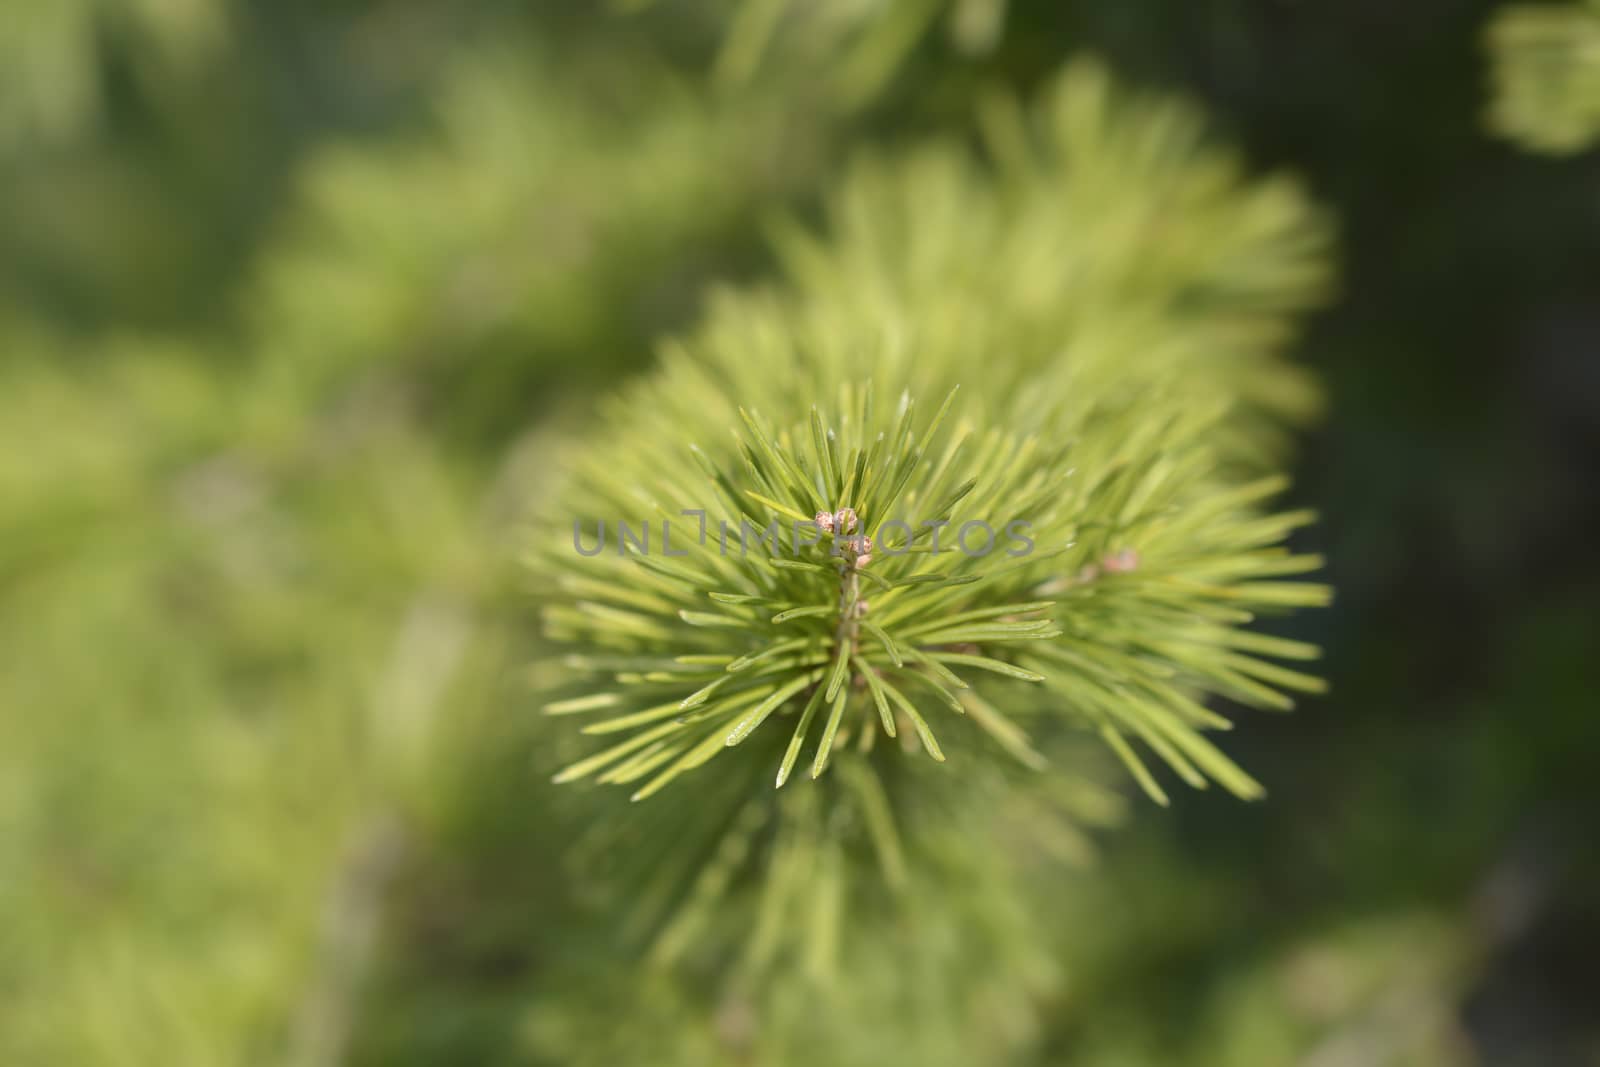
302	306
1547	76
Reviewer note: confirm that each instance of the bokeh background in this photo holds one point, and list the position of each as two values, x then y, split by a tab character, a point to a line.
297	302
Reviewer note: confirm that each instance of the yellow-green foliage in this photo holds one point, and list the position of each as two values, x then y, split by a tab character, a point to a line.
1546	75
258	630
551	219
51	55
210	688
969	342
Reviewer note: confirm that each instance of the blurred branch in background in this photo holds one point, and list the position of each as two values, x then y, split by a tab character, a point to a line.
545	225
1546	73
53	58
